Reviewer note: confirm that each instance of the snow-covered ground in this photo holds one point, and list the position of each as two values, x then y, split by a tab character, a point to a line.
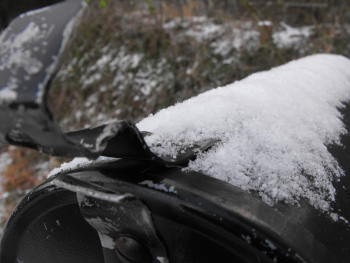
243	34
144	77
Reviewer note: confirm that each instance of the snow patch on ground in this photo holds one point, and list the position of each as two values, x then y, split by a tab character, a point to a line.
243	34
274	127
290	36
142	77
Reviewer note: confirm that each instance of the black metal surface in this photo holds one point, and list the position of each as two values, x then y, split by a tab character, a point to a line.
197	218
123	140
127	220
47	226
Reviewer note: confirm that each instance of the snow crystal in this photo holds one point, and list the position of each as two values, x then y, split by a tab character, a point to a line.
273	126
161	187
78	162
271	245
265	23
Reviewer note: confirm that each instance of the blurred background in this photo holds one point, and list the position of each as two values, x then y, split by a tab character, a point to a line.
132	58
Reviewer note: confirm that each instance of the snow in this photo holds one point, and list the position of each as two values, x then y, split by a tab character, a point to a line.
163	260
131	72
243	34
204	32
8	93
104	229
76	163
142	77
247	239
14	55
271	245
274	127
291	36
161	187
265	23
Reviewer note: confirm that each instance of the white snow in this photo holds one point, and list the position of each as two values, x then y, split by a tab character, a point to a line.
8	93
290	36
76	163
161	187
163	260
243	34
104	229
271	245
15	55
265	23
203	32
274	127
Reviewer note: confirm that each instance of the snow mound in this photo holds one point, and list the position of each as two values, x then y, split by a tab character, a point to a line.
274	127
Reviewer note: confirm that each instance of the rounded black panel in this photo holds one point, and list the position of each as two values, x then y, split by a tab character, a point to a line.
47	226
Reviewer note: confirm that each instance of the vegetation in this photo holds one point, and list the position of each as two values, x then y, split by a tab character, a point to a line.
25	172
158	41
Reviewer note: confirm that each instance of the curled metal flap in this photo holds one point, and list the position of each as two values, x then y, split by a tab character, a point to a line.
122	139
